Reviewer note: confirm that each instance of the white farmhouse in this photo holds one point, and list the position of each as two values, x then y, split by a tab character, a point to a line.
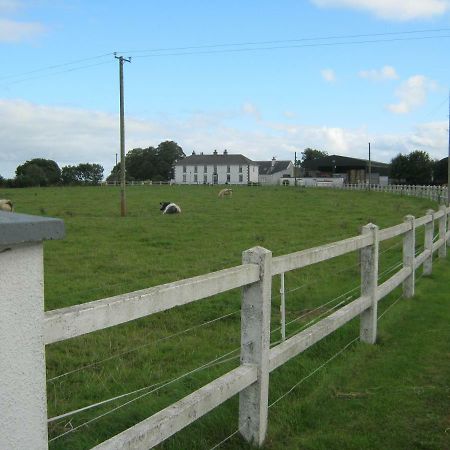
271	172
216	169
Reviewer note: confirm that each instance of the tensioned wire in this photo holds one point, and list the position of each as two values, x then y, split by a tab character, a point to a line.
157	386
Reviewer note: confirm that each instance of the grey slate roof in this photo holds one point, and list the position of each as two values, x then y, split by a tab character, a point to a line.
219	160
266	168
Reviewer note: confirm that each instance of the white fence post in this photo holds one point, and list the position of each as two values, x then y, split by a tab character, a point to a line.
23	399
409	250
255	345
369	278
282	308
442	232
428	244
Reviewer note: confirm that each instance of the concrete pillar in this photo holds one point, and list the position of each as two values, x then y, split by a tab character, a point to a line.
442	252
23	400
409	249
428	244
255	345
369	281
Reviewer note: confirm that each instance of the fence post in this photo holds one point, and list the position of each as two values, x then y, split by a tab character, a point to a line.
428	244
255	345
369	278
23	399
409	250
282	307
442	232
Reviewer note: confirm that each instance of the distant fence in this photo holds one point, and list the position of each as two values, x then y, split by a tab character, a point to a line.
23	368
436	193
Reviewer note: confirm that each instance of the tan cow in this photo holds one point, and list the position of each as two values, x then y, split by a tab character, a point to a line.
6	205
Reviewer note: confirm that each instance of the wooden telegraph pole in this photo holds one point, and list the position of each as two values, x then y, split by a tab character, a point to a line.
123	203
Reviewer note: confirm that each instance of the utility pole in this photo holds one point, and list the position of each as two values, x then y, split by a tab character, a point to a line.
123	204
295	168
448	156
370	168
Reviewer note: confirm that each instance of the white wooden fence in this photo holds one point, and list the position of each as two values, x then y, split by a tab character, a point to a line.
436	193
251	379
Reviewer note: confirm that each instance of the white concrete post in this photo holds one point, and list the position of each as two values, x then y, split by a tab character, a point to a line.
282	308
428	244
369	280
255	345
409	249
23	400
442	252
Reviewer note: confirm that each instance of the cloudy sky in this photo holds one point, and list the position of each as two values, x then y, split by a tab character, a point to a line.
261	78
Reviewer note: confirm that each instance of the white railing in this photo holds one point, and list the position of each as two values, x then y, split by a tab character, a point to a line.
251	378
436	193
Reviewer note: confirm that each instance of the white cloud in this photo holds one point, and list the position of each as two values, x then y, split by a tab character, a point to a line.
328	75
13	31
412	93
71	136
385	73
401	10
251	110
9	6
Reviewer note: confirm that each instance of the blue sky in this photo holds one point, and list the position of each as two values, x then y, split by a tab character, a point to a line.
256	77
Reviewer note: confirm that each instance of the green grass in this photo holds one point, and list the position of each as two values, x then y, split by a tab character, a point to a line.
104	255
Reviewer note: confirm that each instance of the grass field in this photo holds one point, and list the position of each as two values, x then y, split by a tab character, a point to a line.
352	403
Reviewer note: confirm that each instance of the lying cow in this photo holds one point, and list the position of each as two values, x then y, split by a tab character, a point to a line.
6	205
226	191
169	208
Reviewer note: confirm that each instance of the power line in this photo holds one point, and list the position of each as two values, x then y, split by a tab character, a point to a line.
280	41
322	44
55	66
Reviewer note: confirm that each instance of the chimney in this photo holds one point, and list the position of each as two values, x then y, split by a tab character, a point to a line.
225	152
215	152
273	161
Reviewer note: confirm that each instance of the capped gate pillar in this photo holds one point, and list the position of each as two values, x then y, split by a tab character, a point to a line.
23	400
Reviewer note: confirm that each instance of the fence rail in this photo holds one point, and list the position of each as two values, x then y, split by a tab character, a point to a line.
251	379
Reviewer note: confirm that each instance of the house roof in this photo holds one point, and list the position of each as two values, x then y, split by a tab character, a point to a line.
344	163
266	167
215	159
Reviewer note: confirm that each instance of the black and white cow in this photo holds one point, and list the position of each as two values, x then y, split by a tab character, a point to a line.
169	208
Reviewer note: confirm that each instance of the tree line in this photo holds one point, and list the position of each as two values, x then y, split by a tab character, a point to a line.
46	172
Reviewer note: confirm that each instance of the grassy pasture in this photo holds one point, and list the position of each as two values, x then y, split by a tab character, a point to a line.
104	255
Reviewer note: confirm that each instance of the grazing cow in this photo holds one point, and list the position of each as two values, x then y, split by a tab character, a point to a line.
226	191
6	205
169	208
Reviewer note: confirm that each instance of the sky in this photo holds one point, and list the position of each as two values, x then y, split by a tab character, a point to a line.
260	78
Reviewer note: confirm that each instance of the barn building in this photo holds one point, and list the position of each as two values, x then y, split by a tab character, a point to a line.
271	172
217	168
353	170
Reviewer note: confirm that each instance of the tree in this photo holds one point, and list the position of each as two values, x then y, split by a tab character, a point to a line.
38	172
310	153
440	171
414	168
149	163
84	173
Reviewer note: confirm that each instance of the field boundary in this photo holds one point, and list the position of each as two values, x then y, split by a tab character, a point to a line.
23	368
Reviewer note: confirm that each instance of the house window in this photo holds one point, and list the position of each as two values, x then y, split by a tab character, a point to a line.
228	169
241	178
195	178
184	169
195	169
215	169
228	178
205	179
184	178
240	169
205	169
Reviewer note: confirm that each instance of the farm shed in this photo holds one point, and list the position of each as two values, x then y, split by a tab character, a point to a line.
353	170
271	172
217	168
